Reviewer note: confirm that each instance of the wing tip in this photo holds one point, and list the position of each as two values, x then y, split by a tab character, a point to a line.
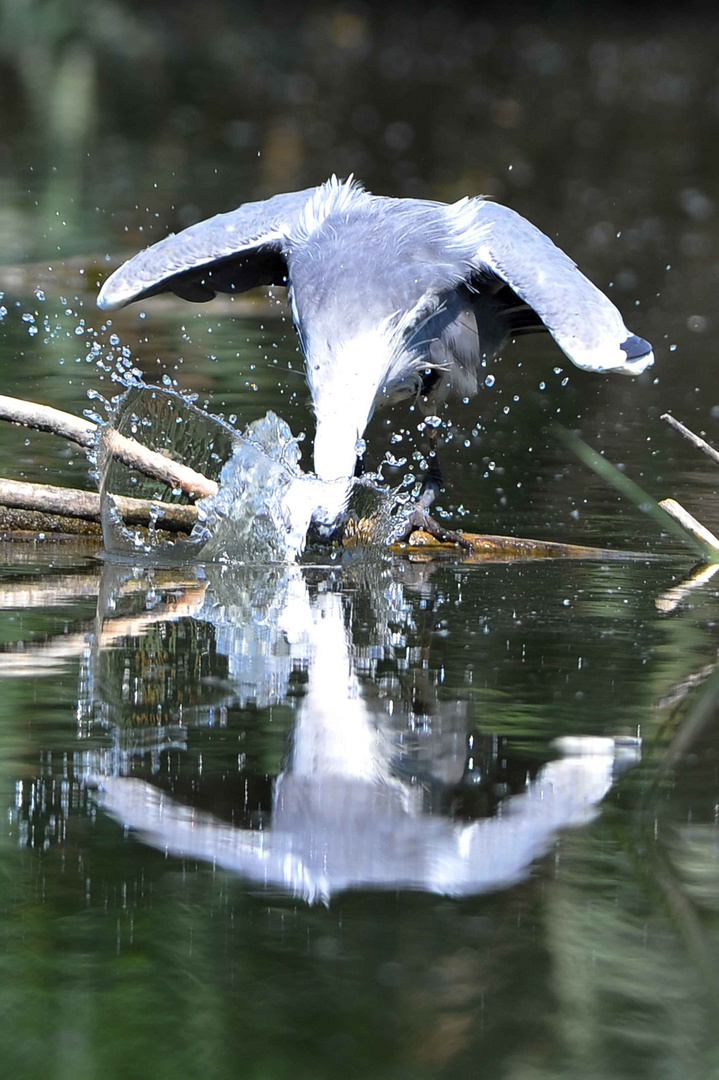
631	357
112	295
638	353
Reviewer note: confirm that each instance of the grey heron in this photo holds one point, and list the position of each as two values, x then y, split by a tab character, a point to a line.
390	297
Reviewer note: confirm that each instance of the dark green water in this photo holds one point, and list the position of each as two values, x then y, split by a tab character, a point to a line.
357	849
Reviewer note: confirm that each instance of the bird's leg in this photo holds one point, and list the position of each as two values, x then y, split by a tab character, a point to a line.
420	518
433	480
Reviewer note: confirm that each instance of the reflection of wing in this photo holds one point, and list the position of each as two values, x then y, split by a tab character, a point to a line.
227	253
334	832
582	320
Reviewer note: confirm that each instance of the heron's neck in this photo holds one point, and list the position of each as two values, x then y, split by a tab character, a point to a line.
346	382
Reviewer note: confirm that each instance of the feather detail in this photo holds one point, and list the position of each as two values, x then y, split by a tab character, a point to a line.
335	196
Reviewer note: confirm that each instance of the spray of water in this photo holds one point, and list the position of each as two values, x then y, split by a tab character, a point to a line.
265	503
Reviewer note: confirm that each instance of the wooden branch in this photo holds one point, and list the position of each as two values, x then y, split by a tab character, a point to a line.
45	418
696	440
690	523
150	463
75	503
130	452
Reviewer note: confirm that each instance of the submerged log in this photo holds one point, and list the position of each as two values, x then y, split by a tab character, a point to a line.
490	546
44	509
74	503
35	524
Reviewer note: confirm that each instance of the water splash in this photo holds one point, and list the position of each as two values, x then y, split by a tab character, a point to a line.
265	501
165	423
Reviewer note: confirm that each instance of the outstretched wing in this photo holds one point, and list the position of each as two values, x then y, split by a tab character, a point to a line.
227	253
582	320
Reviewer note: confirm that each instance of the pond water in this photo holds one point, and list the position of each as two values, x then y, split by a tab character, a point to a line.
369	814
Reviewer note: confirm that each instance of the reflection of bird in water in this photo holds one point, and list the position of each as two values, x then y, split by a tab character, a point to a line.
350	806
391	298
